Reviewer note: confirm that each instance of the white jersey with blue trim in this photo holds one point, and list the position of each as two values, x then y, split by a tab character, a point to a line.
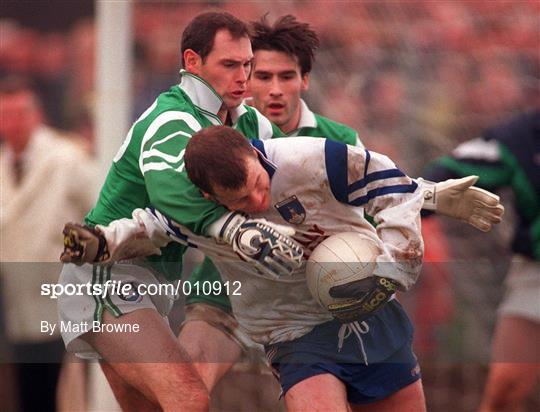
321	188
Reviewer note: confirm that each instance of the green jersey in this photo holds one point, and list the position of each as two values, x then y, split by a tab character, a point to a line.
315	125
148	170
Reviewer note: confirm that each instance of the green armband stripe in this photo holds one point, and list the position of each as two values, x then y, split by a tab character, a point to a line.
110	305
98	312
491	177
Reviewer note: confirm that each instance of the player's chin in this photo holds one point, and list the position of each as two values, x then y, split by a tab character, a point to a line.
275	118
234	100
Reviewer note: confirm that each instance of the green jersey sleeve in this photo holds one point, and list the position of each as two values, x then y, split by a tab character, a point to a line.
166	180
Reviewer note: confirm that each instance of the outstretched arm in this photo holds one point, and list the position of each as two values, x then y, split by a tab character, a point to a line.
264	244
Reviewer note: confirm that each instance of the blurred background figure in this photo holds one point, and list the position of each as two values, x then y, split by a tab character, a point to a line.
508	155
46	178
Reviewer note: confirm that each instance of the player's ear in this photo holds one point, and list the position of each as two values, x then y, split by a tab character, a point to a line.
305	82
192	61
207	195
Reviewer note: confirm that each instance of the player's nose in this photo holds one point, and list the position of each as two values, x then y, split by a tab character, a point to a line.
242	75
275	88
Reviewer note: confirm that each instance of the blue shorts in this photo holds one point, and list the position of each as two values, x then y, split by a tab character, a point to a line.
385	347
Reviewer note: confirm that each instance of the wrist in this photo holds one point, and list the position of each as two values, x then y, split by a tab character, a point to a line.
225	228
429	191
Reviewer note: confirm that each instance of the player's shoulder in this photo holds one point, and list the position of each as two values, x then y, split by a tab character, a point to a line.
294	150
335	131
172	105
253	124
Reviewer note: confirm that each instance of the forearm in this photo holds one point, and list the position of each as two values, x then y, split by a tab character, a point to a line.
399	229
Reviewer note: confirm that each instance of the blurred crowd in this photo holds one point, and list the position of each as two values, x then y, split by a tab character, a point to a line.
412	77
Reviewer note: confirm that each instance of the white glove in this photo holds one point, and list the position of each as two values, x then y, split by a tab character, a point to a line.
258	241
458	198
132	238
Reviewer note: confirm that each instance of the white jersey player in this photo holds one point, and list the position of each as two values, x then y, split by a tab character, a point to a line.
321	188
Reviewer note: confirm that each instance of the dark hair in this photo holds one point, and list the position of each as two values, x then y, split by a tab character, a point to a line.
287	35
216	155
200	33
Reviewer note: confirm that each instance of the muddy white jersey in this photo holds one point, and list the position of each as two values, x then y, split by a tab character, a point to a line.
321	188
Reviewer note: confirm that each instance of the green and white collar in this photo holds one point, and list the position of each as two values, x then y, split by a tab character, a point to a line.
205	98
307	119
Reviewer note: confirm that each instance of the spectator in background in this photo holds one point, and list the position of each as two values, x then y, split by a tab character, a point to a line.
508	155
46	177
79	96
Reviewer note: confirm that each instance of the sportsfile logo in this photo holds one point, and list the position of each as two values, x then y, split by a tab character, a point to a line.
109	288
130	291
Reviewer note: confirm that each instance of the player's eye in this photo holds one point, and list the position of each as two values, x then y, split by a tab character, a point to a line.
262	77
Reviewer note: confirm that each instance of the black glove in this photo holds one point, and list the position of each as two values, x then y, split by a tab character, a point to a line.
83	244
364	298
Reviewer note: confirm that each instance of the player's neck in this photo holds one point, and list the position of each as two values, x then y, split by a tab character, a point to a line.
225	116
293	123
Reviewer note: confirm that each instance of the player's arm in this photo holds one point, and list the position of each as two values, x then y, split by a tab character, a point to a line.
142	235
481	162
368	180
394	201
486	158
453	195
148	230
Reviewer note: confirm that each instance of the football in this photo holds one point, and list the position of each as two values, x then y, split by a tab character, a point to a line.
340	259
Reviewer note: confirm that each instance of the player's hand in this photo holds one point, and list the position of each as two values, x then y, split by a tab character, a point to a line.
83	244
458	198
265	244
364	298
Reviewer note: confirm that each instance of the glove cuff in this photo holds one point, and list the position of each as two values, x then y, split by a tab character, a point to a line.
102	254
429	191
225	228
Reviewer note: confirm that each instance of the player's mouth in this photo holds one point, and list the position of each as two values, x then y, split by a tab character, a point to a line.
275	108
238	94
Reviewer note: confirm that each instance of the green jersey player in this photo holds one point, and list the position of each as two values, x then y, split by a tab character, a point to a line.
149	169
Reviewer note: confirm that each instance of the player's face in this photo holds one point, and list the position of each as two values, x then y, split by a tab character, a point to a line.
227	67
276	84
254	196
